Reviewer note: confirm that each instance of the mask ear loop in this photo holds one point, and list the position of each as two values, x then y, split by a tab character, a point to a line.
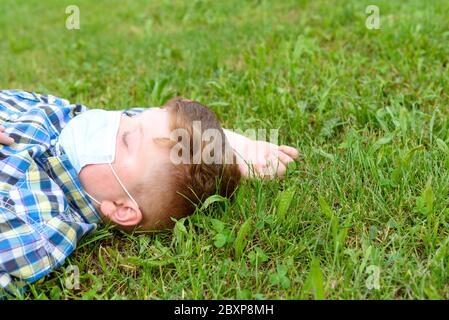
98	202
119	181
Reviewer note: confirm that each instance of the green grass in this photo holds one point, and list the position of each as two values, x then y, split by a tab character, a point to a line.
368	110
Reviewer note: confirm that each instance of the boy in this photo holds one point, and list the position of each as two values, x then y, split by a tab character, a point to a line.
64	169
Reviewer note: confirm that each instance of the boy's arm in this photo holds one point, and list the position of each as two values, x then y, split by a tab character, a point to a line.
260	158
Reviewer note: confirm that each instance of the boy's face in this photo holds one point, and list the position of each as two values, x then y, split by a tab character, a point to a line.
139	163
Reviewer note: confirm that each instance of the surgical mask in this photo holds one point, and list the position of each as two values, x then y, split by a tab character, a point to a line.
90	138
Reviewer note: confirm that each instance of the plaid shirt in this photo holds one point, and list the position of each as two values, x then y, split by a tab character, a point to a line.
43	209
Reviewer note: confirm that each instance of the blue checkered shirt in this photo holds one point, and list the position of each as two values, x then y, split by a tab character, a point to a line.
44	211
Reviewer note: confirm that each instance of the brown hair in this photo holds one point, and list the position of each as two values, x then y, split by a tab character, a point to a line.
189	184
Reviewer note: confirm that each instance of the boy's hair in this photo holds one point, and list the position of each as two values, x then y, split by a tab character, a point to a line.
188	184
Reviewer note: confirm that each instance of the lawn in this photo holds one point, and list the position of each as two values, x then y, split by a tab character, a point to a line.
364	213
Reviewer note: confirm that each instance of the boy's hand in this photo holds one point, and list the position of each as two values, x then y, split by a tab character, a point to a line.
4	139
265	160
260	159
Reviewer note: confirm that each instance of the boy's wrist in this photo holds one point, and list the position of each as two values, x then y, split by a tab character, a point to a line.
237	141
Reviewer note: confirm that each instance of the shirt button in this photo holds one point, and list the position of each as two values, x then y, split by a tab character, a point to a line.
53	142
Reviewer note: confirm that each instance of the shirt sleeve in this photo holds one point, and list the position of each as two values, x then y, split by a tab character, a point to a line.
25	100
22	252
30	251
45	115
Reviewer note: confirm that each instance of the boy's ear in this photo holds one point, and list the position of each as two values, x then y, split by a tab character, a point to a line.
124	214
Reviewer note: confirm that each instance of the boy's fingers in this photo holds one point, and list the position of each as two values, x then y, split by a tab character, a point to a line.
273	168
290	151
280	170
275	171
5	140
284	158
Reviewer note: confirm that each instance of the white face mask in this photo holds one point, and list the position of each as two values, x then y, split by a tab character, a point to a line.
90	138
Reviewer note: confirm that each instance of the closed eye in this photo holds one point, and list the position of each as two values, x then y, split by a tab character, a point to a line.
124	138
